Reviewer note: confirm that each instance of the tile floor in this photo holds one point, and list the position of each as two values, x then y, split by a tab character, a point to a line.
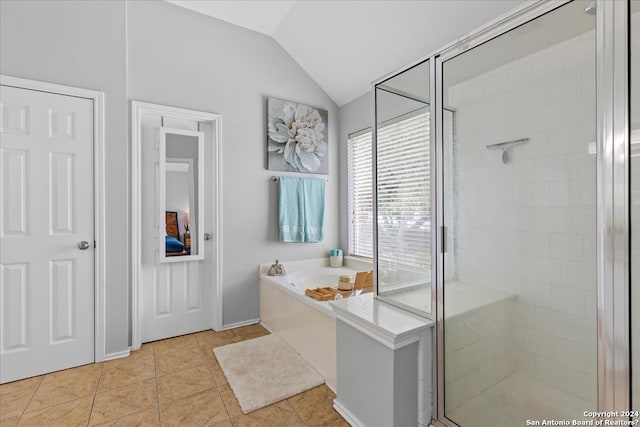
173	382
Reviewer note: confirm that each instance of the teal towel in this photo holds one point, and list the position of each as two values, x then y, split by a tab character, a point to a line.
301	209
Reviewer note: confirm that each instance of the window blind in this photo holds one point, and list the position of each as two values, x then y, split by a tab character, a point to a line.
404	192
360	194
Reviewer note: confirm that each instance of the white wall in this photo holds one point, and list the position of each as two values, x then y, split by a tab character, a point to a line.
528	227
174	56
83	44
181	58
354	116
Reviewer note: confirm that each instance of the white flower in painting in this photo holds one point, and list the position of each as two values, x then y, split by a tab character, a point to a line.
297	135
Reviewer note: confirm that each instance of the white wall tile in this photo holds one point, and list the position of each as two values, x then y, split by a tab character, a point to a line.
551	373
536	293
568	300
570	354
528	226
583	385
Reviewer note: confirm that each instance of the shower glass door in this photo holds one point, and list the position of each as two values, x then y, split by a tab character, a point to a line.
403	190
519	195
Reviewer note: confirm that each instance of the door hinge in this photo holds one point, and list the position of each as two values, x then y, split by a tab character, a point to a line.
443	239
94	244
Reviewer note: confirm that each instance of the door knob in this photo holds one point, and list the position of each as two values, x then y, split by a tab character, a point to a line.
84	245
207	236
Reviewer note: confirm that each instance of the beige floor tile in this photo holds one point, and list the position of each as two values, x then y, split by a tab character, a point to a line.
205	335
81	372
144	353
216	371
28	384
180	360
276	415
128	391
14	404
64	386
222	338
229	400
147	418
118	373
174	344
9	422
256	329
340	423
73	413
184	383
315	406
117	403
201	409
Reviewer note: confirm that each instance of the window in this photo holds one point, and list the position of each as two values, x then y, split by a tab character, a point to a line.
360	194
404	187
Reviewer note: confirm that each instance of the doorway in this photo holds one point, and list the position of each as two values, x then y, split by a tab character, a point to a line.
51	201
174	292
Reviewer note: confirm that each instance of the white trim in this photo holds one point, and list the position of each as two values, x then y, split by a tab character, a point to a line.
117	355
346	414
99	195
240	324
217	199
138	109
389	340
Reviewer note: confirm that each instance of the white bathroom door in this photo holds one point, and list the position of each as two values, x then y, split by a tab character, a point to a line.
176	298
46	231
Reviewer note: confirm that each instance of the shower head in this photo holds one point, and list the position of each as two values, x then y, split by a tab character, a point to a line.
590	9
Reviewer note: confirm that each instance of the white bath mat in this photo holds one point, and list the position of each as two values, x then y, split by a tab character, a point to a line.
265	370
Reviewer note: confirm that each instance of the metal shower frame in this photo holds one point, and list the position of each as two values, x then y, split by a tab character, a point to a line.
613	190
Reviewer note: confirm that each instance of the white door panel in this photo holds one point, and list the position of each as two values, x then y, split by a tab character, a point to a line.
176	298
46	209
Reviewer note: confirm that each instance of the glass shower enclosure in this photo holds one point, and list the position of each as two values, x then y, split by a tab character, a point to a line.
506	187
519	313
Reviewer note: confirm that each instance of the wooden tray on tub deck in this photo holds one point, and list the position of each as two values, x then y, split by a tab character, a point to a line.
328	293
364	280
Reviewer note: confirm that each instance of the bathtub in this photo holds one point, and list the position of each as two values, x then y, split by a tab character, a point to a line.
307	325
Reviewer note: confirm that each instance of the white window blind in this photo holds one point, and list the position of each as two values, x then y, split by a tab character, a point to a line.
360	195
404	192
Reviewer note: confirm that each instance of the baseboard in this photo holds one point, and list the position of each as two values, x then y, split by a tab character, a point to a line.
347	415
117	355
239	324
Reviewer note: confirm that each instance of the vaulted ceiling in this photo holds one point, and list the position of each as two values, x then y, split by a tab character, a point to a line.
345	45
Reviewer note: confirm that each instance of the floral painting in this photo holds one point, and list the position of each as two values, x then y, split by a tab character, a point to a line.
296	137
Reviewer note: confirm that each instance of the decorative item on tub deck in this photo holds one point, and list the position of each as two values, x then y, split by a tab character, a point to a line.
364	281
296	141
276	269
335	258
345	283
301	209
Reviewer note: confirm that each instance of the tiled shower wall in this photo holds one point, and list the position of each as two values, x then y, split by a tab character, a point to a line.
528	227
